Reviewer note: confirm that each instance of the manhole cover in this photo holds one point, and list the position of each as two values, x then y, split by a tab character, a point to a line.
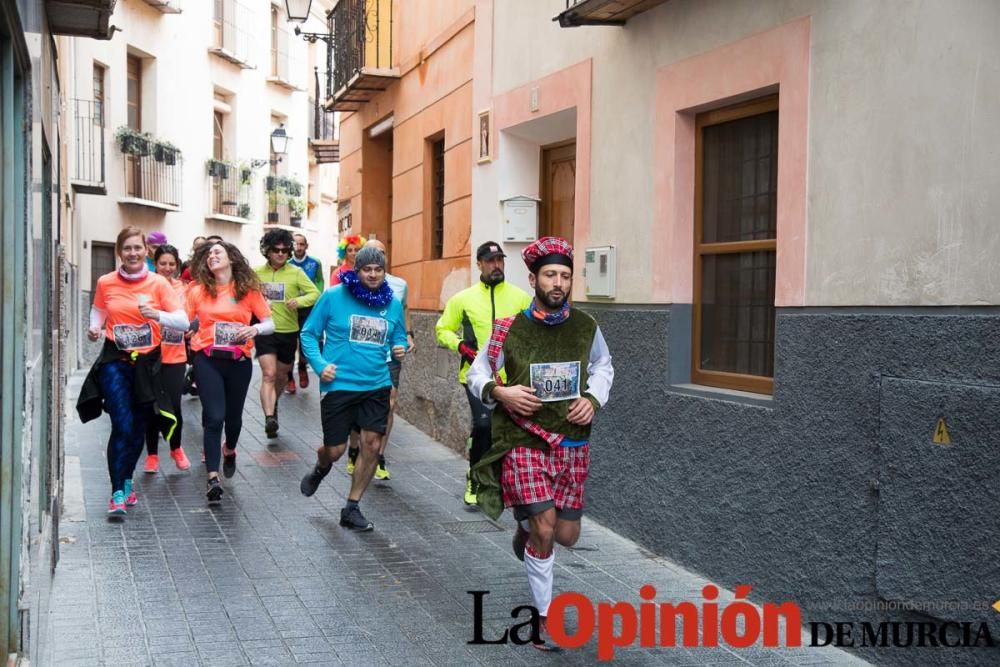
468	527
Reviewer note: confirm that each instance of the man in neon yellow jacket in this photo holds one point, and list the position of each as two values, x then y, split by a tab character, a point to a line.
473	311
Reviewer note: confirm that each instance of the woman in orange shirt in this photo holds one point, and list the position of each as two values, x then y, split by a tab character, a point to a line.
347	250
224	296
130	306
174	362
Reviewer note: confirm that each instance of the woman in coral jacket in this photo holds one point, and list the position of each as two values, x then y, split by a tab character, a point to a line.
224	296
174	363
130	306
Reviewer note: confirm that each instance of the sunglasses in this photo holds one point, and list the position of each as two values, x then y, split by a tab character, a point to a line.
283	251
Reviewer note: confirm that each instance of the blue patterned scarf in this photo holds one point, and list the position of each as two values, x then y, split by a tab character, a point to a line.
380	298
550	319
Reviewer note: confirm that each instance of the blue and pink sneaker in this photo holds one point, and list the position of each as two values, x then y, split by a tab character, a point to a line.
116	507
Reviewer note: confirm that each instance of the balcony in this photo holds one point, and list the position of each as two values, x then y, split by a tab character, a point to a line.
88	148
284	202
230	190
232	21
285	71
602	12
80	18
323	138
152	171
165	6
362	52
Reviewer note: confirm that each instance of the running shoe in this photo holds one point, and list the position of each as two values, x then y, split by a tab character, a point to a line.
351	517
130	498
352	459
116	506
311	481
152	464
180	458
228	463
303	377
290	387
546	639
214	492
470	497
519	542
382	471
271	426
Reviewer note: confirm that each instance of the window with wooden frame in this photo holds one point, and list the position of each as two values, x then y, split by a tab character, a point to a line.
134	93
736	172
218	135
98	95
437	197
274	40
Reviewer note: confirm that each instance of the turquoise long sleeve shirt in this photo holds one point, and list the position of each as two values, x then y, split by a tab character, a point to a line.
358	338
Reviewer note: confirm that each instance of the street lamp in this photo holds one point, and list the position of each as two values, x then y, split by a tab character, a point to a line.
298	10
279	140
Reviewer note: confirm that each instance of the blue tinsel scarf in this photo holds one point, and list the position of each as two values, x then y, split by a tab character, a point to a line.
377	299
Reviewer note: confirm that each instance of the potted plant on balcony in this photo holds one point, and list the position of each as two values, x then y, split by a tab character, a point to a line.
142	144
165	152
244	211
217	169
296	207
294	187
272	206
246	173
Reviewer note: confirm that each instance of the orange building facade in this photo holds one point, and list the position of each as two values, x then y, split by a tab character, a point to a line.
406	141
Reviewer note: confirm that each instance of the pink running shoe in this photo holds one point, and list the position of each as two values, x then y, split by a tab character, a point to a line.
152	464
130	498
180	458
116	506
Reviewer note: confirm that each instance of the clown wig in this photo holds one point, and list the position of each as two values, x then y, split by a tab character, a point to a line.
353	239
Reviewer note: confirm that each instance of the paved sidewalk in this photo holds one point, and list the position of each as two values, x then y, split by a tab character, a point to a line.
269	577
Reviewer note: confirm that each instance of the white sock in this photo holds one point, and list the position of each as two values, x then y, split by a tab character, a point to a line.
540	579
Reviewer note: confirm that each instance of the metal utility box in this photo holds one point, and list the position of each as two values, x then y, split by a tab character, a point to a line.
520	219
599	271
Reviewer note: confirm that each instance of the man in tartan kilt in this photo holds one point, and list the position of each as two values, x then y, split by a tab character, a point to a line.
558	374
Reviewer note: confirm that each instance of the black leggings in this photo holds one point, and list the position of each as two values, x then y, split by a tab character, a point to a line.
222	388
481	428
172	377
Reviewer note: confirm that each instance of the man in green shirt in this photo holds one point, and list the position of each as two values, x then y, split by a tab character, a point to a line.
287	288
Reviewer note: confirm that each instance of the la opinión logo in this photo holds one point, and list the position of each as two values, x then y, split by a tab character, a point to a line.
620	624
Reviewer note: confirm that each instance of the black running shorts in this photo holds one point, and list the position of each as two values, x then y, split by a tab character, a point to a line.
282	344
342	410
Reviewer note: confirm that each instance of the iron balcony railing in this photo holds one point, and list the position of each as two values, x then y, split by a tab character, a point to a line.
88	166
155	177
362	37
232	37
230	189
321	122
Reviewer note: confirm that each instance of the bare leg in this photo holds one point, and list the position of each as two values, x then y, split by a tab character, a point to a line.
365	466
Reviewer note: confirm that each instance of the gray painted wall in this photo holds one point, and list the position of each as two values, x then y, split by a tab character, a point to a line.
785	496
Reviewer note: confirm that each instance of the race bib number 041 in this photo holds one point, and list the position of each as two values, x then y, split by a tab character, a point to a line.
225	334
128	337
274	291
369	330
559	381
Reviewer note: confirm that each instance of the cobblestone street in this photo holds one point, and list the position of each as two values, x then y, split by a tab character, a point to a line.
269	577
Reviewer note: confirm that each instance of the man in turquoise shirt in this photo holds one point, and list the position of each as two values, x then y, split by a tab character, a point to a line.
362	323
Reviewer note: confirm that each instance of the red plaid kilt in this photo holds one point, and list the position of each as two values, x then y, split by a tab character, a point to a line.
535	475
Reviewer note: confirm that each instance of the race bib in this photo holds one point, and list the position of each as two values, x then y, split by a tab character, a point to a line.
274	291
225	334
369	330
558	381
129	337
172	336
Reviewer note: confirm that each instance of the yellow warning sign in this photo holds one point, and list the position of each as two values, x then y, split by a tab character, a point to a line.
996	605
941	436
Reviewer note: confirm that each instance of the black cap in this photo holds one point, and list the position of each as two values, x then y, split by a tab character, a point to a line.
489	250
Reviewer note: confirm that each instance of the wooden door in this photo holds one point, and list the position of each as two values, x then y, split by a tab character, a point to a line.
558	190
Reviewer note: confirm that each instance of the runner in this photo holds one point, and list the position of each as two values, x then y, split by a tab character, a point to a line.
399	290
287	288
129	306
347	250
224	297
153	241
196	243
473	311
174	362
314	270
362	322
558	374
